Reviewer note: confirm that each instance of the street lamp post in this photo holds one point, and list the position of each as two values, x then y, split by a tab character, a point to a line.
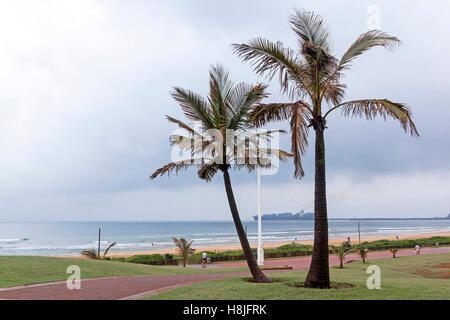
260	252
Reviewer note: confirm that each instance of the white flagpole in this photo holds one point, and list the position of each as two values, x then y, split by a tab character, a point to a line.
260	251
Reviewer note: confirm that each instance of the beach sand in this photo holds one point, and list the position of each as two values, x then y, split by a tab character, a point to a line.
271	245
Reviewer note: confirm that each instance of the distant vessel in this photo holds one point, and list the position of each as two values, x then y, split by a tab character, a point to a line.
287	216
302	215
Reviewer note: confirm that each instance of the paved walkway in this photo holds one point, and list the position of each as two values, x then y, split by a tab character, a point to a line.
113	288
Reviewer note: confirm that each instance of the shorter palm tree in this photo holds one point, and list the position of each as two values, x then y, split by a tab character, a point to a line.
393	251
363	254
184	248
93	254
223	138
341	252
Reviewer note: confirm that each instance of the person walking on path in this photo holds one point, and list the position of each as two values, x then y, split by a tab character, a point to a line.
417	248
204	260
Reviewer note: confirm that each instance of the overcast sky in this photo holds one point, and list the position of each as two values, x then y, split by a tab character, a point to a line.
84	87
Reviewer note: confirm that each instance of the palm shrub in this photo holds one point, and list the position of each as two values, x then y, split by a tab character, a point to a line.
93	254
393	251
184	249
222	140
362	252
341	251
312	79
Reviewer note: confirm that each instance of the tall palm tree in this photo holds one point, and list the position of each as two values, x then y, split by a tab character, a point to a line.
312	79
220	141
184	248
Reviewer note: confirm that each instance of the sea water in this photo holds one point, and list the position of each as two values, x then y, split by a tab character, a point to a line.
68	238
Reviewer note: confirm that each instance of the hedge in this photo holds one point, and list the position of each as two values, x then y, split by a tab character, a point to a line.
288	250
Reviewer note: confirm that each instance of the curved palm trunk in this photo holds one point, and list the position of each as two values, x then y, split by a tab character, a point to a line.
319	274
256	272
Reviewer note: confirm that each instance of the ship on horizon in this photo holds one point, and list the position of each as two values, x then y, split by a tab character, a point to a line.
302	215
286	216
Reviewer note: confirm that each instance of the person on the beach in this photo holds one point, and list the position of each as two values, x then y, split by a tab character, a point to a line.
417	249
204	261
397	237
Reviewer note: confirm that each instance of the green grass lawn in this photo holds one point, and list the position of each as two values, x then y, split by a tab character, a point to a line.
23	270
413	277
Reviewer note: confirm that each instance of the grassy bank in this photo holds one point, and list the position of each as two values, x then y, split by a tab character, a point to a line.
21	270
413	277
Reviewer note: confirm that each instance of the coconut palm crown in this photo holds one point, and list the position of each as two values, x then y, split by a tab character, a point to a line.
312	79
221	139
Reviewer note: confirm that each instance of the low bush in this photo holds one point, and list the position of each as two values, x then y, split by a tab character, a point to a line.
119	259
407	243
142	258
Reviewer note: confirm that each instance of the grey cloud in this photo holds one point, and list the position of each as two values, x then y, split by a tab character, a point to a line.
82	109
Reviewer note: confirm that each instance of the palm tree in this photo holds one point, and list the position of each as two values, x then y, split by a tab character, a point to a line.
184	248
363	254
312	79
221	140
341	252
93	254
393	251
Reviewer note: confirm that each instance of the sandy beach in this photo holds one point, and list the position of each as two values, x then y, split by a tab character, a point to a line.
270	245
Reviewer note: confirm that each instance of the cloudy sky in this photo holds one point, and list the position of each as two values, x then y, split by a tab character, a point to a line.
84	87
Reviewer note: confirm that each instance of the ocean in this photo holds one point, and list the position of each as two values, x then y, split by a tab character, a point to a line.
69	238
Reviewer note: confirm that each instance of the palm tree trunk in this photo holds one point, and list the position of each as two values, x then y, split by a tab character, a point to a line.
256	272
319	273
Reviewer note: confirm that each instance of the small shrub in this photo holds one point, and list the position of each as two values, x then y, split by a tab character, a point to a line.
393	251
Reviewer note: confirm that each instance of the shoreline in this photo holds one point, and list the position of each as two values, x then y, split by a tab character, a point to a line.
221	248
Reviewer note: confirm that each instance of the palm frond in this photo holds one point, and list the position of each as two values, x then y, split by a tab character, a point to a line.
208	170
299	124
194	106
263	113
253	95
333	92
108	248
280	154
372	108
364	42
220	87
175	166
91	254
184	126
269	58
310	27
299	114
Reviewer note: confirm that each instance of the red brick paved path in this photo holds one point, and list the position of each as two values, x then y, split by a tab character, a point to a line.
138	286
